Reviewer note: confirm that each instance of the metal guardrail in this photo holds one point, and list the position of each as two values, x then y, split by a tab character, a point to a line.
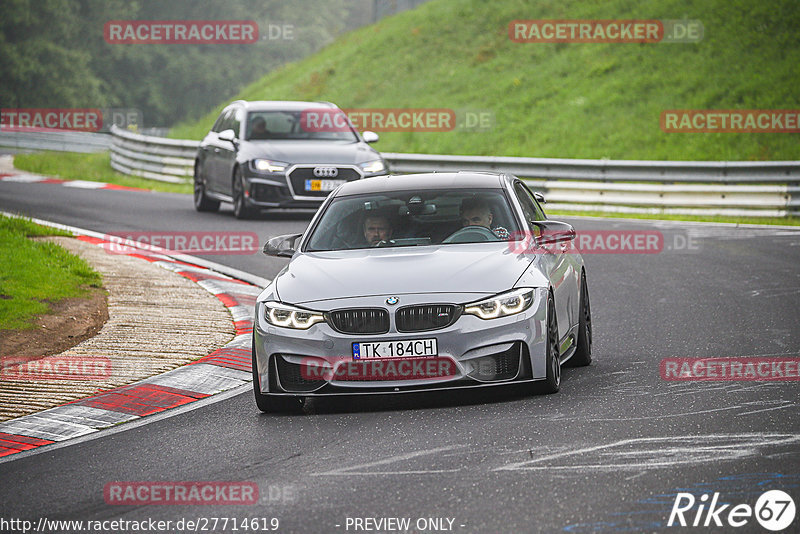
156	158
63	141
608	170
681	187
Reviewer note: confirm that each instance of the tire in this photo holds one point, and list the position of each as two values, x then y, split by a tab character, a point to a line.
583	352
271	403
240	208
553	381
201	201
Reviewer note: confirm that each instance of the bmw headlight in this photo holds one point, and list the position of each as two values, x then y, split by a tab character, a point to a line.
266	165
279	314
371	167
502	305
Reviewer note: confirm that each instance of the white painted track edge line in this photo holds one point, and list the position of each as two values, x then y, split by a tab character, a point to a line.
129	425
217	397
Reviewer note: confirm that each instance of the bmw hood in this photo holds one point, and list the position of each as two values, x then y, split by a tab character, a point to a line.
483	268
338	152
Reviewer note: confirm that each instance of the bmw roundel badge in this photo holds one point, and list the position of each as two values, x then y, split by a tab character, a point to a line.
391	301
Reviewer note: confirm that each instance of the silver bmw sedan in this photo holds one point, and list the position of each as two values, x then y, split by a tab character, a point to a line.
419	282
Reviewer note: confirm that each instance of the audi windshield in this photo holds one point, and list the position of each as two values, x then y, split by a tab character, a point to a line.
320	124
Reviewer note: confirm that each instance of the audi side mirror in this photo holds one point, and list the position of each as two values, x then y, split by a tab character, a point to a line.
370	137
227	135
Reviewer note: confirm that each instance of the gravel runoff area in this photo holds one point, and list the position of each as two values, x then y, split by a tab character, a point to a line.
158	320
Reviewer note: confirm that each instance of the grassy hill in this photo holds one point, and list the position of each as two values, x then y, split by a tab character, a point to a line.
559	100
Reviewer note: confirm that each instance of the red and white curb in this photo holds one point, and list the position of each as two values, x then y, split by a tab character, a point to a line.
78	184
223	369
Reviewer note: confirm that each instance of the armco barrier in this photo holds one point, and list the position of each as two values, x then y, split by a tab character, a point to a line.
156	158
62	141
737	188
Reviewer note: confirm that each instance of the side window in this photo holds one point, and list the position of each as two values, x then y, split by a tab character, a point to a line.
529	207
236	121
220	124
537	206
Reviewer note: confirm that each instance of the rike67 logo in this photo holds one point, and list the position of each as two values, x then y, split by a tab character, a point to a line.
774	510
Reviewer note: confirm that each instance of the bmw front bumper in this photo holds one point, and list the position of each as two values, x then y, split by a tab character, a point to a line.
472	352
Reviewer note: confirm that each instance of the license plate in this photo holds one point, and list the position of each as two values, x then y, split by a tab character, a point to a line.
410	348
323	185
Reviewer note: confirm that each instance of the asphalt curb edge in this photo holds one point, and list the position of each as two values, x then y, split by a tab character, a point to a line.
227	368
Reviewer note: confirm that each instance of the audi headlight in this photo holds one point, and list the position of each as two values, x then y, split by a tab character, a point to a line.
502	305
279	314
266	165
371	167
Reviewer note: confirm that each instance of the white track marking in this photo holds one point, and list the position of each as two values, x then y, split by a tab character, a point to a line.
353	470
663	452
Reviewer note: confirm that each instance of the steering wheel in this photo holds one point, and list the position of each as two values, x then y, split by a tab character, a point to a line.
471	234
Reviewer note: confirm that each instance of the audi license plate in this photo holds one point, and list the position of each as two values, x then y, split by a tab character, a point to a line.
323	185
409	348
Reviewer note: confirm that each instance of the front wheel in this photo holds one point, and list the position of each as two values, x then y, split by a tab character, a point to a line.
240	208
201	201
552	383
583	352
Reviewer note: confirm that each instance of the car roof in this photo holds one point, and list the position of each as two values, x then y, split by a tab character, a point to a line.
281	105
416	182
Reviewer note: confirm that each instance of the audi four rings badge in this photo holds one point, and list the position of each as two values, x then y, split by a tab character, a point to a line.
325	172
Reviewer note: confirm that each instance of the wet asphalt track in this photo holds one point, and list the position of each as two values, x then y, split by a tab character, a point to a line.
608	453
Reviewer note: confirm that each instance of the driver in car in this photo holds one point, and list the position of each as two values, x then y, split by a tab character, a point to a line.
476	211
259	129
377	228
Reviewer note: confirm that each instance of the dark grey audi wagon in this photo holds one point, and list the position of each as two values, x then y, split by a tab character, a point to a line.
279	154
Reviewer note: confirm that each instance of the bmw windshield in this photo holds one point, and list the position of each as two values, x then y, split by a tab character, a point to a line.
413	218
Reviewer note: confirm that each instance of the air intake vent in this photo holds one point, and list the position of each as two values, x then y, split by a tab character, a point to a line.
426	317
294	379
360	321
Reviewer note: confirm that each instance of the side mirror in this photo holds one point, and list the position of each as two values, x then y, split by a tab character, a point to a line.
539	198
370	137
554	232
281	246
227	135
